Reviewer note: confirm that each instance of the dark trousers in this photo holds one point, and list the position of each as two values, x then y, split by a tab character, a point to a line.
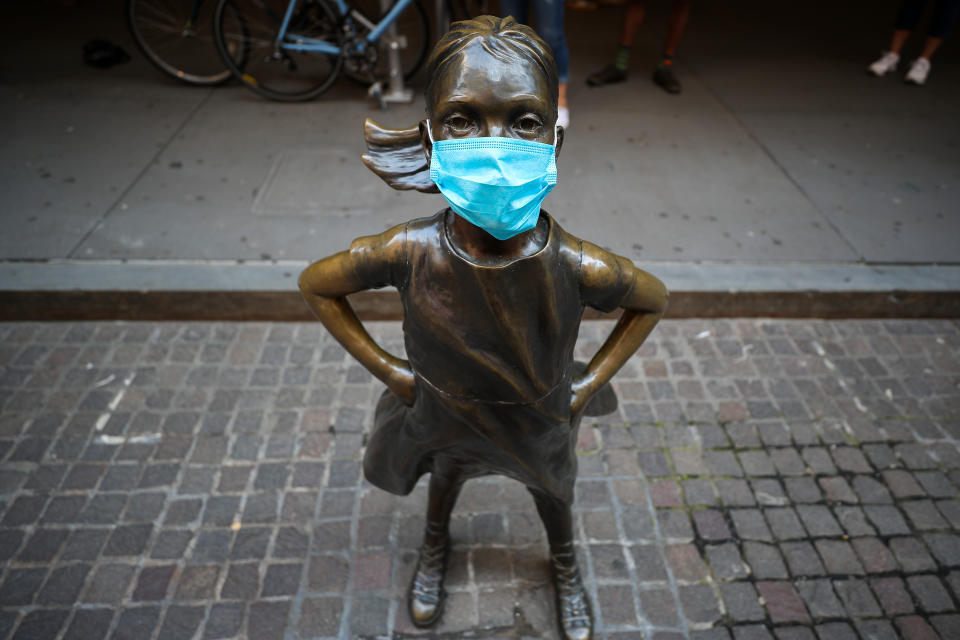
944	15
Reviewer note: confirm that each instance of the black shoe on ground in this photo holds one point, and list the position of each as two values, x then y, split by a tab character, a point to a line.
608	75
663	77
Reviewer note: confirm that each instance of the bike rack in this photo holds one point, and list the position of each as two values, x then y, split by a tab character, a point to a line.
395	92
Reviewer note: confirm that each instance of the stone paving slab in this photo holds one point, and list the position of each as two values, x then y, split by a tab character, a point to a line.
760	479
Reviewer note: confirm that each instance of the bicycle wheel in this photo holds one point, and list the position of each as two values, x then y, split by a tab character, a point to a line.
176	36
411	25
245	32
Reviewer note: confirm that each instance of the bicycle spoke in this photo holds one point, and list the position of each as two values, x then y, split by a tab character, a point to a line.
177	34
160	27
168	11
239	38
248	39
168	45
411	24
178	8
155	17
160	30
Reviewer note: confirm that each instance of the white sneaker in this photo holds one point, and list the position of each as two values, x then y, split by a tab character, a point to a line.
918	71
887	63
563	117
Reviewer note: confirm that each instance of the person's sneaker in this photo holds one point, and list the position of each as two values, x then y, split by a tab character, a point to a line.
885	64
563	117
663	77
918	72
610	74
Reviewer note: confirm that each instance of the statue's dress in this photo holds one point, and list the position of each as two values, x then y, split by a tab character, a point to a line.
492	352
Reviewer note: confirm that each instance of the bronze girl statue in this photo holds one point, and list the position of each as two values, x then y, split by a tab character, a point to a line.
493	291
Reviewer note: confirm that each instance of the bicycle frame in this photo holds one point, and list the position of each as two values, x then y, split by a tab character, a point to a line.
194	12
302	43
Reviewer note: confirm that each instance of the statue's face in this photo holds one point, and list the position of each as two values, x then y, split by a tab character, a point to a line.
482	96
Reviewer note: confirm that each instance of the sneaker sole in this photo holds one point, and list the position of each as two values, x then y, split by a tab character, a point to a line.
605	82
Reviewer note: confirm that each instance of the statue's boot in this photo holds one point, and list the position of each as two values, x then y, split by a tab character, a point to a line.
573	605
426	591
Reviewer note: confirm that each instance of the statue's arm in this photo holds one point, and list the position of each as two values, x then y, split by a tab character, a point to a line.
643	306
325	285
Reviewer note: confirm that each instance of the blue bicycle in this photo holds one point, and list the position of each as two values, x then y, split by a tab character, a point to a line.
293	50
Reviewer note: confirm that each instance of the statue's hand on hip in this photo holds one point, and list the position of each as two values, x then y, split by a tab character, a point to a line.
581	390
402	383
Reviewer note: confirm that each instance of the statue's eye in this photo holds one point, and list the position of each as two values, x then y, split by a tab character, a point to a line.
529	123
458	124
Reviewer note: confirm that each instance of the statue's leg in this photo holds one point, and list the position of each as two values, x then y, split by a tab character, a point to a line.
573	605
426	591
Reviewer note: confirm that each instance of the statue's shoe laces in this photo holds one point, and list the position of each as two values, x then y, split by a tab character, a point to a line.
573	606
426	590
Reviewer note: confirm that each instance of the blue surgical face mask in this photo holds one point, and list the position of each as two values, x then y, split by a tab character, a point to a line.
498	184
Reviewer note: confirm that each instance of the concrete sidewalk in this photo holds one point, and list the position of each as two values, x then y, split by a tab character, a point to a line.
782	166
760	479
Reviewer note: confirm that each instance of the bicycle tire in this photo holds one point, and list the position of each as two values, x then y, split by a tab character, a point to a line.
245	30
183	51
411	23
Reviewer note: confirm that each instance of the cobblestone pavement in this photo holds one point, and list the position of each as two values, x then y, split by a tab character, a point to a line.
788	479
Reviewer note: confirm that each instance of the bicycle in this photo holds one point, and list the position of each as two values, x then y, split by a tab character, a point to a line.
176	36
294	50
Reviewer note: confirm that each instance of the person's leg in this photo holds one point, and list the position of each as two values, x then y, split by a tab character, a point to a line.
563	111
677	24
907	18
617	70
898	39
930	46
632	21
944	16
519	9
888	61
549	15
426	590
573	606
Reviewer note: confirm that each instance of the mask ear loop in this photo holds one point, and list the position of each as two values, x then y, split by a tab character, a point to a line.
429	131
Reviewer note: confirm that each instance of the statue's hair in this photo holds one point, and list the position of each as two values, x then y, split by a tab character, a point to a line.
397	155
503	38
